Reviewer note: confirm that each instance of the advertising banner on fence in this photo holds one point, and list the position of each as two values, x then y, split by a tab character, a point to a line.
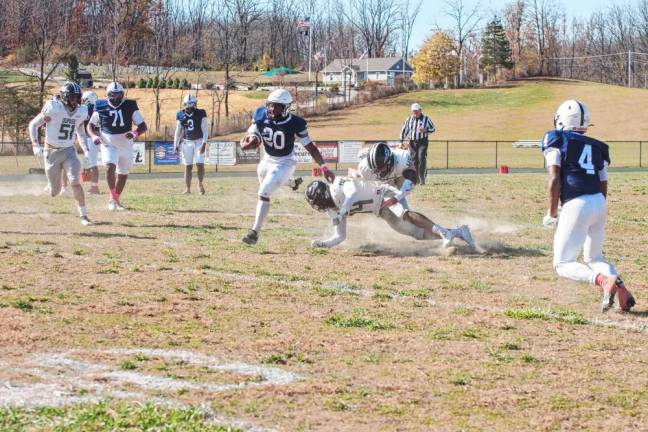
327	148
221	153
164	153
139	153
244	157
349	151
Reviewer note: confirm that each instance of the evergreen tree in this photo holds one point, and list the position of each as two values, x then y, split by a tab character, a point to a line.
72	69
496	48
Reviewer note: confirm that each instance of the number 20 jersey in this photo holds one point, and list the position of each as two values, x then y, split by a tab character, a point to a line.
279	137
582	158
60	130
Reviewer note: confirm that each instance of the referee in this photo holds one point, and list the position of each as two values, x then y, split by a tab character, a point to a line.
416	130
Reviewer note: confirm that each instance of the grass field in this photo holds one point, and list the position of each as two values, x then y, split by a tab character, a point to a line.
164	304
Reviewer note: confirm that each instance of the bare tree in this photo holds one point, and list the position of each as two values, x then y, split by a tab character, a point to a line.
408	15
513	21
465	23
376	22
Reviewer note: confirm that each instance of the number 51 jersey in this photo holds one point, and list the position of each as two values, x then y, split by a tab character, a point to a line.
61	129
279	137
582	158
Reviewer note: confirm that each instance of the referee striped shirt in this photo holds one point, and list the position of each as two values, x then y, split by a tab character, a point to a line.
411	128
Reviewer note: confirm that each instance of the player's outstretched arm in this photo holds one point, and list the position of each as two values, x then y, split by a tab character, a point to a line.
317	157
553	195
338	237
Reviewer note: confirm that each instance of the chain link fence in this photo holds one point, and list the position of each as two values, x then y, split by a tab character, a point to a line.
227	156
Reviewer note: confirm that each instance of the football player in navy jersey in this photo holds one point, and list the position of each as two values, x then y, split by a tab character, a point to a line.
192	128
278	129
111	126
578	177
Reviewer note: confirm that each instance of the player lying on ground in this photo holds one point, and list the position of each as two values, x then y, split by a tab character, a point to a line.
394	167
277	129
348	196
578	176
63	118
192	128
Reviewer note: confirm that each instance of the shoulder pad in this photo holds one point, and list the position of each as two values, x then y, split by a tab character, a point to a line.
83	110
131	103
553	138
604	147
259	114
202	112
100	104
180	115
299	122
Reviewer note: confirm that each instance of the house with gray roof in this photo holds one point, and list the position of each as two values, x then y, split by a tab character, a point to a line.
355	71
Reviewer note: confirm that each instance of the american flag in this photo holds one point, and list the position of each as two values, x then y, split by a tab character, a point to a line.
304	24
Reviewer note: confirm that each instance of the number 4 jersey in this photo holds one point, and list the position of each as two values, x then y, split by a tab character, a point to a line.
63	124
279	136
114	122
582	161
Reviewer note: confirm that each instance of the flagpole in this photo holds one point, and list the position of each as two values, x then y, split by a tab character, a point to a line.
310	49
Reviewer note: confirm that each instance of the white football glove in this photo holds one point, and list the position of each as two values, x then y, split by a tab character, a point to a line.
337	219
318	244
549	221
38	151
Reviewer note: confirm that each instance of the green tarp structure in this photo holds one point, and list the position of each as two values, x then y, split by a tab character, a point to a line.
283	70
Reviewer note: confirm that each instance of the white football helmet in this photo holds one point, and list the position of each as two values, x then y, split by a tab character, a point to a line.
89	98
282	97
572	115
190	100
115	92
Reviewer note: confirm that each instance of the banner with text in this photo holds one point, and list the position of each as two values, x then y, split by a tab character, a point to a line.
221	153
165	154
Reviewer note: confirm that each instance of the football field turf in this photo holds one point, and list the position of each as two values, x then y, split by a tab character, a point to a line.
161	317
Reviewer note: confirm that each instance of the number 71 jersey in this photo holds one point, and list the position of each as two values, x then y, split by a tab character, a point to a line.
116	120
279	136
61	128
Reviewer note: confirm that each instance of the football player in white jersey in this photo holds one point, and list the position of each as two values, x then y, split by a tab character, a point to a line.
348	196
63	119
192	128
111	126
277	129
394	167
577	166
90	161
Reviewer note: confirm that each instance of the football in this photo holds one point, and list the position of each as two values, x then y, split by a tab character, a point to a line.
250	141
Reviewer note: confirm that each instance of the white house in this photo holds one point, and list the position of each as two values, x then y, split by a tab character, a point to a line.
354	71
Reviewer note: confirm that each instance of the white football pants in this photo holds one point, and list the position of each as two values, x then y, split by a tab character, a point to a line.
582	227
273	174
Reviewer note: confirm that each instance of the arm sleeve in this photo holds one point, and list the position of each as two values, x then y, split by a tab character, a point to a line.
204	125
36	122
303	138
552	156
405	129
178	134
95	119
339	235
138	118
82	136
405	189
603	174
253	129
430	125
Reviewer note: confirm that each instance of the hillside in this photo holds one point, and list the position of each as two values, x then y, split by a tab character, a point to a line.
524	110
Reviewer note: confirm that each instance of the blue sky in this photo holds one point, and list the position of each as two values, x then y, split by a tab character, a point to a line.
432	13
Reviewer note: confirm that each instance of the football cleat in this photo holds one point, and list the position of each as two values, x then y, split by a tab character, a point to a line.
296	182
626	300
465	235
85	221
112	205
251	237
609	287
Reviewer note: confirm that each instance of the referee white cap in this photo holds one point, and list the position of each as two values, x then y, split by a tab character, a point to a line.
416	107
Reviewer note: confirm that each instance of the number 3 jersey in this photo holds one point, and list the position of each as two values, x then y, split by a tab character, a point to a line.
192	124
582	160
115	122
61	129
279	136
